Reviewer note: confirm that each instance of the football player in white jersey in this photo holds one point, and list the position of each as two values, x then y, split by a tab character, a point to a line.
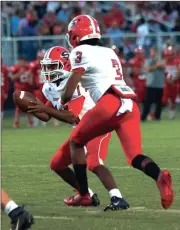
99	71
55	70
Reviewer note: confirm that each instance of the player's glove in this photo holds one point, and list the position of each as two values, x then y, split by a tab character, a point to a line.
20	219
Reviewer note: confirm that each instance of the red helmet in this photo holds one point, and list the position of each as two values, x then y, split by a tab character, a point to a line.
168	52
55	64
82	27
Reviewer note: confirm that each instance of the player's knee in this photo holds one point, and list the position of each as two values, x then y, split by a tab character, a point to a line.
53	164
56	165
74	144
92	165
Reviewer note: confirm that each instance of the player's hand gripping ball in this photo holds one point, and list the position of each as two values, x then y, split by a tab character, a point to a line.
23	99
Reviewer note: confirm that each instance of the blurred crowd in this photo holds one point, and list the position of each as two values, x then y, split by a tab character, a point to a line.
51	17
46	18
116	19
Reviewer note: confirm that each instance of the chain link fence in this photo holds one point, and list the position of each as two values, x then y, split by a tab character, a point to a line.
14	47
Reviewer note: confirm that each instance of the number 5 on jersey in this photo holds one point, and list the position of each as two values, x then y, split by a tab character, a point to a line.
116	65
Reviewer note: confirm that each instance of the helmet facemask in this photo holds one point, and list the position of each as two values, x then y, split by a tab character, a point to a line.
51	71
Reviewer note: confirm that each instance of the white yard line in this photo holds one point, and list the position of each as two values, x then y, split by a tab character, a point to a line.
142	209
53	217
47	166
25	166
134	210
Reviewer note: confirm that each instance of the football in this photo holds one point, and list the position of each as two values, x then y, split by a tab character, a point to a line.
22	99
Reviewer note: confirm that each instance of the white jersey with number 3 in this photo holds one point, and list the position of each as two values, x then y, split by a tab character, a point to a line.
102	69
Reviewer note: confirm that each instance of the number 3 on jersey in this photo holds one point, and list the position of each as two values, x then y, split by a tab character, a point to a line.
78	57
116	65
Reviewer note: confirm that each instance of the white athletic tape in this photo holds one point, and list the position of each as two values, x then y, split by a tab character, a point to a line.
54	217
47	166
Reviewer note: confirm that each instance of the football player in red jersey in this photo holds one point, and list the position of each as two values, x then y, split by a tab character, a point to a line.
4	86
136	64
34	70
20	218
37	82
99	71
56	69
171	84
20	77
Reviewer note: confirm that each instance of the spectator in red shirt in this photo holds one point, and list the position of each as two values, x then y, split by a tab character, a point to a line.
34	73
171	87
136	65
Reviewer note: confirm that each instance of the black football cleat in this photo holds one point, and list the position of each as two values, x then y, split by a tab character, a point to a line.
20	219
95	200
117	204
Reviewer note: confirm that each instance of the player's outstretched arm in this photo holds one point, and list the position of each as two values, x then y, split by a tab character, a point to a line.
42	116
61	115
38	108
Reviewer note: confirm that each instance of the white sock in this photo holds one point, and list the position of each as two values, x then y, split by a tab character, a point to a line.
10	206
171	114
115	192
90	192
44	123
35	121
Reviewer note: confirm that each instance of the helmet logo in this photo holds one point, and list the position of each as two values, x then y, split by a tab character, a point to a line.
65	55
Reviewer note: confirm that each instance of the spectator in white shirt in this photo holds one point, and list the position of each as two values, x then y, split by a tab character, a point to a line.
142	32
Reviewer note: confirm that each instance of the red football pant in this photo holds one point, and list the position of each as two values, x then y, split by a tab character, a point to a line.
102	119
170	93
2	102
97	150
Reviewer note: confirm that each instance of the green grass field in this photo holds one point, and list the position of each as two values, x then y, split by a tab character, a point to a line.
27	178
